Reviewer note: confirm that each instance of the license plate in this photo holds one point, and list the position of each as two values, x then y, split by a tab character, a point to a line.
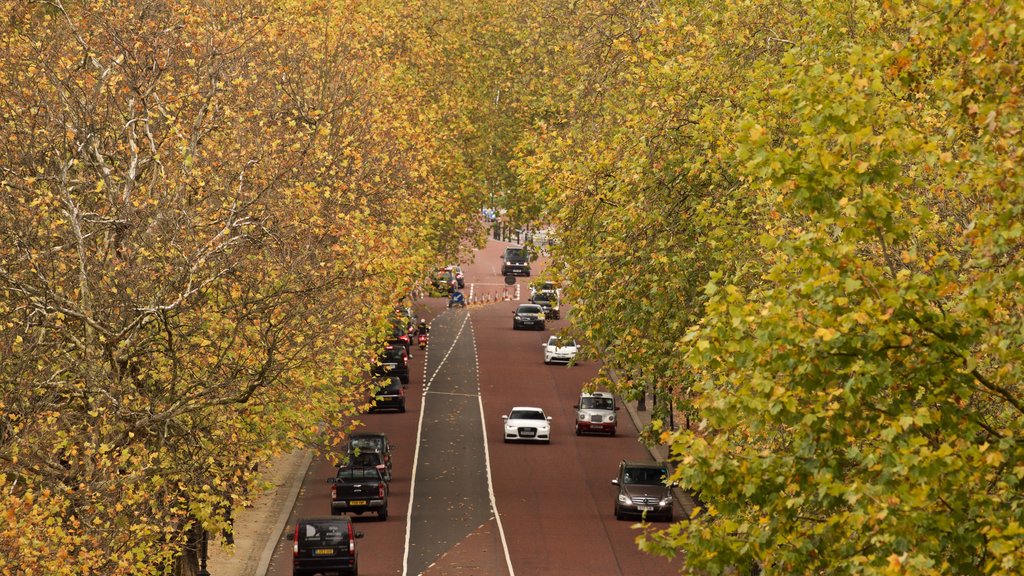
645	508
527	434
357	503
323	552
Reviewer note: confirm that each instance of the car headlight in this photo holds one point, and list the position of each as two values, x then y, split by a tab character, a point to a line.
623	499
666	501
540	316
611	418
581	416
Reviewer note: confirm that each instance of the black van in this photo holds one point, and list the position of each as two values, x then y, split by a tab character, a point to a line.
516	261
325	546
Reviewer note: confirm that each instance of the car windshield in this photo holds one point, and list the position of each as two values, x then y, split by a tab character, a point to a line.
644	476
515	254
592	403
559	343
323	533
526	415
367	443
529	309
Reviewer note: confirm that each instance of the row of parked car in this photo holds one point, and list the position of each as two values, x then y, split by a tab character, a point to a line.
362	482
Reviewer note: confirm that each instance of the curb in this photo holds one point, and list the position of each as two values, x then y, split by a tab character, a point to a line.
282	518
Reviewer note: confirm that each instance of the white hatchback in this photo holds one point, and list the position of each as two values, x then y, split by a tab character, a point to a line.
528	424
560	350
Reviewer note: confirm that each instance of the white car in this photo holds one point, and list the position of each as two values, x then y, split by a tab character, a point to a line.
527	423
560	350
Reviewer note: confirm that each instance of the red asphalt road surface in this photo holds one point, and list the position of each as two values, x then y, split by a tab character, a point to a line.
555	501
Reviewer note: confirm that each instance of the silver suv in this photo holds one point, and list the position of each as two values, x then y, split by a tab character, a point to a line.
596	413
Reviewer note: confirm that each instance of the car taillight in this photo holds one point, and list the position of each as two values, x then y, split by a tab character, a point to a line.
380	489
334	492
295	546
351	540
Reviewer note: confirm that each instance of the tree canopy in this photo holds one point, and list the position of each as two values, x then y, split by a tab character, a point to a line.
802	221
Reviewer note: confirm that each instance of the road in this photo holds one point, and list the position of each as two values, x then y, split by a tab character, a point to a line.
554	502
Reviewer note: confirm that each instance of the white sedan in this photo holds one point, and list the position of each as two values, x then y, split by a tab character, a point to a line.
560	350
527	423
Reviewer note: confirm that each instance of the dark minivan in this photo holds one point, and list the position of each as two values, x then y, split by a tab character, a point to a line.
325	546
516	261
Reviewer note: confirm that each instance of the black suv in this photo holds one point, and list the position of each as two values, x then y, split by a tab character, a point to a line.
359	489
393	361
371	442
516	261
389	396
324	545
643	491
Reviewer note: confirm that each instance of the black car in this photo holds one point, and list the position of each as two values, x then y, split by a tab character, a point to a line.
393	361
528	316
358	489
643	491
323	545
371	442
516	261
390	396
548	302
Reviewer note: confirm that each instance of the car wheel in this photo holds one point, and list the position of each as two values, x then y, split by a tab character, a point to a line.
401	409
578	431
355	570
612	433
382	514
618	513
546	361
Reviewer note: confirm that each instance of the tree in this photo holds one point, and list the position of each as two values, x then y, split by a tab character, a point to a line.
196	202
819	205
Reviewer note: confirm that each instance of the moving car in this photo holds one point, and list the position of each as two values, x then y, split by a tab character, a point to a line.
516	261
323	545
527	423
390	396
548	302
558	349
596	413
528	315
643	491
359	489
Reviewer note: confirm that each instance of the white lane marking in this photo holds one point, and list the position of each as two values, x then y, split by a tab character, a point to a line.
490	486
419	435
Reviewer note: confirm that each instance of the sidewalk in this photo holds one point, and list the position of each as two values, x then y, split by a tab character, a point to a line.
258	528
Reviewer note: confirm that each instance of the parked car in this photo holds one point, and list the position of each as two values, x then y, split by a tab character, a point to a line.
548	302
643	491
527	423
393	361
516	261
596	413
323	545
558	349
370	458
528	315
389	396
371	442
545	286
358	489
